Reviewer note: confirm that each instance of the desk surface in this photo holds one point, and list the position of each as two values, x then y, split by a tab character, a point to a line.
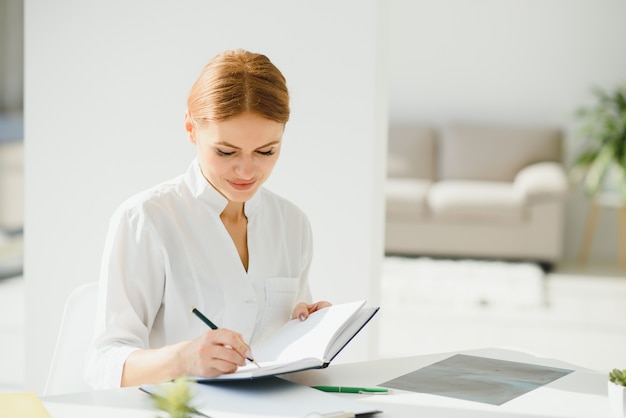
582	393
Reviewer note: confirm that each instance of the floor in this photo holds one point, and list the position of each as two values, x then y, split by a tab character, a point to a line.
582	322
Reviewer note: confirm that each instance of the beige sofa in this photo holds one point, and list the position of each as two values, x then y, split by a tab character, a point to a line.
475	191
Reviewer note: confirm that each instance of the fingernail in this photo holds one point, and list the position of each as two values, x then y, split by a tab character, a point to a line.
249	355
302	317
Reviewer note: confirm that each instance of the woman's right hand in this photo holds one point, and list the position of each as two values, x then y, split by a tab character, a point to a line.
214	353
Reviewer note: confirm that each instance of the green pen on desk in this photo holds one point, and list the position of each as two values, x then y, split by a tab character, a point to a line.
351	389
213	326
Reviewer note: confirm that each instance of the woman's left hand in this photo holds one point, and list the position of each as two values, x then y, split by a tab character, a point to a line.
303	310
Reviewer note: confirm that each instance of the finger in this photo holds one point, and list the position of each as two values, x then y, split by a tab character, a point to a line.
243	350
228	346
236	343
318	305
217	366
301	311
214	359
226	368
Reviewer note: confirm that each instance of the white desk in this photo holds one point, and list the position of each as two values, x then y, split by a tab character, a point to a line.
578	394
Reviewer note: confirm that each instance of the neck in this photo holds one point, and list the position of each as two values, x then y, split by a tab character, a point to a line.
233	212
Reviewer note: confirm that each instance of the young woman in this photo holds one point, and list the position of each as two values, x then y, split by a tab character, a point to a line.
212	238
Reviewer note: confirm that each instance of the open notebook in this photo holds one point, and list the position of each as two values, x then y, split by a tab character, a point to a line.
300	345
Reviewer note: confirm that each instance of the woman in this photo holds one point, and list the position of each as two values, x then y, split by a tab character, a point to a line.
212	238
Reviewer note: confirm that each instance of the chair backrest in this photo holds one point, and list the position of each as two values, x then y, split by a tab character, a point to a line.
67	369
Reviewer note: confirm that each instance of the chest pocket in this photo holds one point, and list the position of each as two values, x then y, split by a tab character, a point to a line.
280	299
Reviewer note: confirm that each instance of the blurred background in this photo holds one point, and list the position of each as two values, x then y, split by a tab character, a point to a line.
11	137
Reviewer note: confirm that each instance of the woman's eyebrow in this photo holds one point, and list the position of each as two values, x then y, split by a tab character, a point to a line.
228	144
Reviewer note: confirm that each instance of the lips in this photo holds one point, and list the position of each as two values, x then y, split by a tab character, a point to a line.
242	185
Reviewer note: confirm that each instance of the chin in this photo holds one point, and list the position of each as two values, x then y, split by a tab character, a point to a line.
241	197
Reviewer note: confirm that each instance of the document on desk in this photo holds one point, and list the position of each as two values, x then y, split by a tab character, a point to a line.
477	379
268	397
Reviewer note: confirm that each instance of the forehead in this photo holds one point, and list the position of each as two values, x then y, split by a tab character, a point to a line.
246	129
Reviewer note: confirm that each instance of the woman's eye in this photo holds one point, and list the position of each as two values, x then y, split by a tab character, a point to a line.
224	153
267	153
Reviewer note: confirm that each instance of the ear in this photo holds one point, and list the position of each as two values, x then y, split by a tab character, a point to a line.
190	128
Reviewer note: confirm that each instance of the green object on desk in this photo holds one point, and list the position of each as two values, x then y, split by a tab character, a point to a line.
350	389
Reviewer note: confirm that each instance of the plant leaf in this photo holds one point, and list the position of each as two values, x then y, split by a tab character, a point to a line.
598	168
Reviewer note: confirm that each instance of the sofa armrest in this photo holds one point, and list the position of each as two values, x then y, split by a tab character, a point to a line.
542	181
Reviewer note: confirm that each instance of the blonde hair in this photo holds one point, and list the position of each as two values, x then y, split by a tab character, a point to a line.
236	82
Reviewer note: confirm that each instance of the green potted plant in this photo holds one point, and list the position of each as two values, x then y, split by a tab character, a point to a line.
176	399
602	160
617	392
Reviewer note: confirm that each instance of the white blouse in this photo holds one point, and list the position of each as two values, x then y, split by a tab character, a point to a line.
167	250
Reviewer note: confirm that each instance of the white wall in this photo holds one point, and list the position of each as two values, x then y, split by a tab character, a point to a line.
106	84
514	61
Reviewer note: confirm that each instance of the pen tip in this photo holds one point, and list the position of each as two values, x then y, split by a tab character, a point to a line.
192	308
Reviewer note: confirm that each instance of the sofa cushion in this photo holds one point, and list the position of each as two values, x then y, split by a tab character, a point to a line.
469	200
542	182
411	151
494	152
406	198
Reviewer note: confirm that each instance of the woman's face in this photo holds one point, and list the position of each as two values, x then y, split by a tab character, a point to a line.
237	155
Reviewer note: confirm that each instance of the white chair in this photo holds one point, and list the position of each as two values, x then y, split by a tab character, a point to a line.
66	371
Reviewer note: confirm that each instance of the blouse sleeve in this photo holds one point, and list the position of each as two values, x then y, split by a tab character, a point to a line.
130	295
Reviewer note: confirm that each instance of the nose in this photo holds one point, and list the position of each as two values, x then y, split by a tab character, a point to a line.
245	168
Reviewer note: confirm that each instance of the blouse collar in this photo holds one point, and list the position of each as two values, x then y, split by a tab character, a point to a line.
206	193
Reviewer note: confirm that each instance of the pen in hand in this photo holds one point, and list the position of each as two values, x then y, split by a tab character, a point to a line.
211	325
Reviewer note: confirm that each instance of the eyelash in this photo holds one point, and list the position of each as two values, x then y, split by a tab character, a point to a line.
228	154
